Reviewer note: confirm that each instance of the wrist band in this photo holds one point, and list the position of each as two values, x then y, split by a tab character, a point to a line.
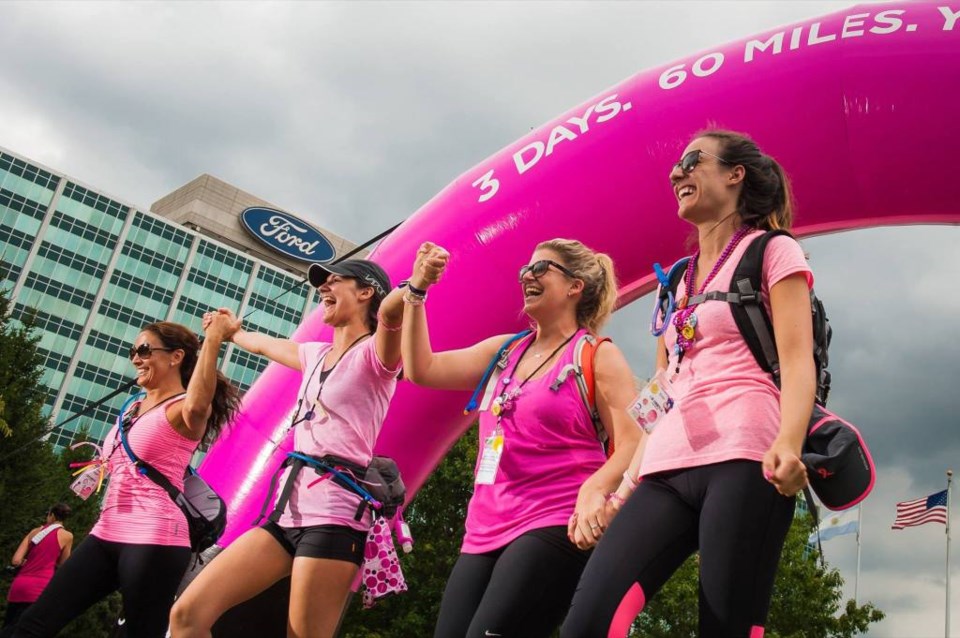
616	498
412	299
416	291
630	480
388	327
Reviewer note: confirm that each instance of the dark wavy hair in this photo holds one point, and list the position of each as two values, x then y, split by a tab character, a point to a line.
226	397
765	200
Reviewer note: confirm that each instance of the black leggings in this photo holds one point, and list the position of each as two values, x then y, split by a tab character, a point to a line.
520	590
728	511
146	575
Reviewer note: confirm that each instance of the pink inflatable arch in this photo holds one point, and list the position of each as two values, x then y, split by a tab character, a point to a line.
858	106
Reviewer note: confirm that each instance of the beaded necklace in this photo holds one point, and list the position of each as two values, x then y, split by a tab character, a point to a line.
505	401
685	321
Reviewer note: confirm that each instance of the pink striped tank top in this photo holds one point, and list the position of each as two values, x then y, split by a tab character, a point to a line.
135	509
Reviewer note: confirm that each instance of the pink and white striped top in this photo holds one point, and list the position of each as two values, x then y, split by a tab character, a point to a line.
135	509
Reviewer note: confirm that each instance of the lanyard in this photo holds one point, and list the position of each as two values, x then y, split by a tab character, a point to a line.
324	374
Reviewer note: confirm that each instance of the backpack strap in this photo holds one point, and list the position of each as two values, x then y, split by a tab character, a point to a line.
490	376
584	353
748	312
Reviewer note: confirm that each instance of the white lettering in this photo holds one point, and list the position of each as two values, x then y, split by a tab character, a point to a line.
557	135
524	165
888	17
582	122
701	72
488	185
609	107
279	228
673	77
776	41
814	36
949	17
795	38
851	21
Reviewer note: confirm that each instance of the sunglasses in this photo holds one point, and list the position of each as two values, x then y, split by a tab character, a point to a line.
539	268
145	351
689	161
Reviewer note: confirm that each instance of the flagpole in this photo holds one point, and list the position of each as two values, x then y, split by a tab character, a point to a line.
856	582
947	616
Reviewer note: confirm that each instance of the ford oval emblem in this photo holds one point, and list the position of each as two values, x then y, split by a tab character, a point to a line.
287	235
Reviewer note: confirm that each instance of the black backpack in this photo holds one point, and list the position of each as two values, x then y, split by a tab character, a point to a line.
839	465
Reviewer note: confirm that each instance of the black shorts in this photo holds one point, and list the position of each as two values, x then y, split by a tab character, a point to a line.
337	542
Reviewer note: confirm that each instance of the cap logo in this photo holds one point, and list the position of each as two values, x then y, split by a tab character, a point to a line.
287	235
376	285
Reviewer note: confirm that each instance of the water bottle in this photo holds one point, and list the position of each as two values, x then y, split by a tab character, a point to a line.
402	531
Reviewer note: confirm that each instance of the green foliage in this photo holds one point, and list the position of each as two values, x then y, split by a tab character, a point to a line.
32	476
436	518
806	600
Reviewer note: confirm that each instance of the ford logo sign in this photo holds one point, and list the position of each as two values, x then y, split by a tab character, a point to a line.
287	235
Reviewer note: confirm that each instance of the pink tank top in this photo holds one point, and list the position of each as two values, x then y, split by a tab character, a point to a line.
37	570
135	509
550	448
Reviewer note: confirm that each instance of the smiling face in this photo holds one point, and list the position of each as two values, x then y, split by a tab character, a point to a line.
711	187
342	299
153	361
553	290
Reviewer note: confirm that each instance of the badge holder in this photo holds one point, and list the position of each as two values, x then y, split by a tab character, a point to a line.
654	401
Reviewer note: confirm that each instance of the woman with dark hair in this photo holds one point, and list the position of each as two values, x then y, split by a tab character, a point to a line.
720	472
542	476
318	529
40	552
141	543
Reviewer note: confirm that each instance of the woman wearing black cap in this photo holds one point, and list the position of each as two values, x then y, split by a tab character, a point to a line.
315	537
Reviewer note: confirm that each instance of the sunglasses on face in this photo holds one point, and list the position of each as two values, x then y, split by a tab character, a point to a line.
539	268
145	351
689	161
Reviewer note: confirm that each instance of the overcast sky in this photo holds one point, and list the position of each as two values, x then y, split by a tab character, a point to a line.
354	115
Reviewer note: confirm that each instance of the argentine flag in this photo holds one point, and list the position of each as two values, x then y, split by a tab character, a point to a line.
845	522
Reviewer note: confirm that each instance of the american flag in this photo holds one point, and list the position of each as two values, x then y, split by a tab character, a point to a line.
929	509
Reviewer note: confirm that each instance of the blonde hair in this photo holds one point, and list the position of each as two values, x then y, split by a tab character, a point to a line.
599	296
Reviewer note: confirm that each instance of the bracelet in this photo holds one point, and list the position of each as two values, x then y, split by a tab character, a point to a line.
412	299
616	498
388	327
416	291
632	482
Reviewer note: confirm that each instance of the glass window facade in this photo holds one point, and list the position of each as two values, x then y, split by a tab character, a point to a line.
93	271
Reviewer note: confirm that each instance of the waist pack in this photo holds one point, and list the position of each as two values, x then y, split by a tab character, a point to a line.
378	484
837	459
205	511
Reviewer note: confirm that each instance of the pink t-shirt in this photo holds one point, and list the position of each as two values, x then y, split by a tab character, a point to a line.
135	509
354	401
550	448
726	407
37	571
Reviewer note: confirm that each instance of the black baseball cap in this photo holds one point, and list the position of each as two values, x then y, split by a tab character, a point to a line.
367	273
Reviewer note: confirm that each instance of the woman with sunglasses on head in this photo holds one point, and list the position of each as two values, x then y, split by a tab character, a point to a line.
721	470
141	542
316	537
542	476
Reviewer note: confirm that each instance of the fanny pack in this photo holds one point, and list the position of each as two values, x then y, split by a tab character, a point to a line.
205	511
378	484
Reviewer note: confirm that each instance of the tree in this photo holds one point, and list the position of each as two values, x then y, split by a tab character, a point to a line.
436	518
806	600
32	476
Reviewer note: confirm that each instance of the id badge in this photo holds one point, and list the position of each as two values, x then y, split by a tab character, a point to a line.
490	458
653	402
86	483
